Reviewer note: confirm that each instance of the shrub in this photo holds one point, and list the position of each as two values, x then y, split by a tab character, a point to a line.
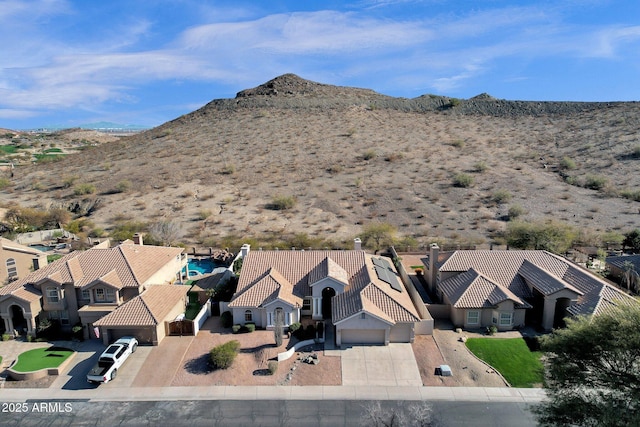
228	169
567	164
294	327
631	194
250	327
463	180
226	319
6	337
458	143
492	330
515	211
236	328
310	332
273	367
480	167
281	203
4	183
222	356
636	151
501	196
369	155
82	189
123	186
595	182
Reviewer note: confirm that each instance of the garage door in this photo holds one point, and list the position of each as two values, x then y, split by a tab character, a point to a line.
400	333
362	336
144	336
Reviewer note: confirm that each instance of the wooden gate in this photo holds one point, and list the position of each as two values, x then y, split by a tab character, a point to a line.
181	327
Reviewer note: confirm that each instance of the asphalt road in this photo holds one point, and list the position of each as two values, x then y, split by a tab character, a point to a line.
257	413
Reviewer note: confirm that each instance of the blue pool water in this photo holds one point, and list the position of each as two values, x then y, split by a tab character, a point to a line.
43	248
200	266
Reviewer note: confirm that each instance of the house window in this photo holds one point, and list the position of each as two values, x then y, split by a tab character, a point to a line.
506	319
64	317
105	295
53	295
248	316
306	304
12	270
85	295
473	317
363	315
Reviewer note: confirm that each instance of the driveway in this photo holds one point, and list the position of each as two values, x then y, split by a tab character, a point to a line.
390	365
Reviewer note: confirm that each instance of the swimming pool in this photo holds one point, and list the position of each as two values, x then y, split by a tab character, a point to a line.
43	248
200	266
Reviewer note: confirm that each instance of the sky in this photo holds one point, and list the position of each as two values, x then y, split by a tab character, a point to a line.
144	62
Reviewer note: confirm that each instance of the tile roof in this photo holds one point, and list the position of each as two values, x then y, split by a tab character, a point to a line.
472	289
17	247
619	261
265	272
147	309
133	265
545	271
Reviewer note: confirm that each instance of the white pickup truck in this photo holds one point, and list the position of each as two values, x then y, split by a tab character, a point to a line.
111	359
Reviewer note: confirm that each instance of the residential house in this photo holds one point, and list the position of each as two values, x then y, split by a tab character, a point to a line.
361	295
144	316
512	288
18	260
625	268
84	286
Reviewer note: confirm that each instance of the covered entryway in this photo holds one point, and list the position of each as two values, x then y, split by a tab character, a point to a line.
561	312
17	319
363	336
327	294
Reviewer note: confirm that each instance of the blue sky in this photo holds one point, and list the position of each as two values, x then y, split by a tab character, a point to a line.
69	62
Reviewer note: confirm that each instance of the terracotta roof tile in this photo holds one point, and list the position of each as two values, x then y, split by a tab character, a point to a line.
471	289
133	264
544	270
258	284
147	309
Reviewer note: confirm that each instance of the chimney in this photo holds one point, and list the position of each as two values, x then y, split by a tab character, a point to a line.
432	277
137	239
244	250
357	244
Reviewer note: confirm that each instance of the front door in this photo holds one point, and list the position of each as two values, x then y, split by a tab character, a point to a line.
327	295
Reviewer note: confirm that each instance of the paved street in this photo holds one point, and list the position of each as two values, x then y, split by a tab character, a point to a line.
263	412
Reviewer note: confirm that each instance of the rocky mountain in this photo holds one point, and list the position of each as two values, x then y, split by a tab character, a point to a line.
294	156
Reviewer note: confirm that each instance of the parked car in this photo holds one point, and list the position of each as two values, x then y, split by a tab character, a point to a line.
111	359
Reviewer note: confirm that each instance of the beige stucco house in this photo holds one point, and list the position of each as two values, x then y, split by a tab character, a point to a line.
18	260
145	316
361	295
513	287
84	286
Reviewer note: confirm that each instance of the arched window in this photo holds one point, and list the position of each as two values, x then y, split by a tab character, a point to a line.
248	316
12	270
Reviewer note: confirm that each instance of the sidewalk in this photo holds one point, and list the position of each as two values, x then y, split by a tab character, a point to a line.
461	394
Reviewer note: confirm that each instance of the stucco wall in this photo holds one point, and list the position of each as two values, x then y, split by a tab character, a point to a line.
168	273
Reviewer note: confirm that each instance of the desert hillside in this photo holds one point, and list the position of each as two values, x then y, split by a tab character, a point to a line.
337	158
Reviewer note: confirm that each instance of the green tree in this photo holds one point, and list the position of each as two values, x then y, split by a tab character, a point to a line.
593	371
632	240
377	235
551	236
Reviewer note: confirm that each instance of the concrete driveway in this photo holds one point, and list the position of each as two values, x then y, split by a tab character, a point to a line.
390	365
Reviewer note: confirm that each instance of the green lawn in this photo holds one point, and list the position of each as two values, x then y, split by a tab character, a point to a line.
512	358
41	358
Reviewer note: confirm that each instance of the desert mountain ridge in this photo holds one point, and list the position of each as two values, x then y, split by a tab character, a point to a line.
344	157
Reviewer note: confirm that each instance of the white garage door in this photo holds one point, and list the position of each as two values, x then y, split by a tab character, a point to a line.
362	336
400	333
